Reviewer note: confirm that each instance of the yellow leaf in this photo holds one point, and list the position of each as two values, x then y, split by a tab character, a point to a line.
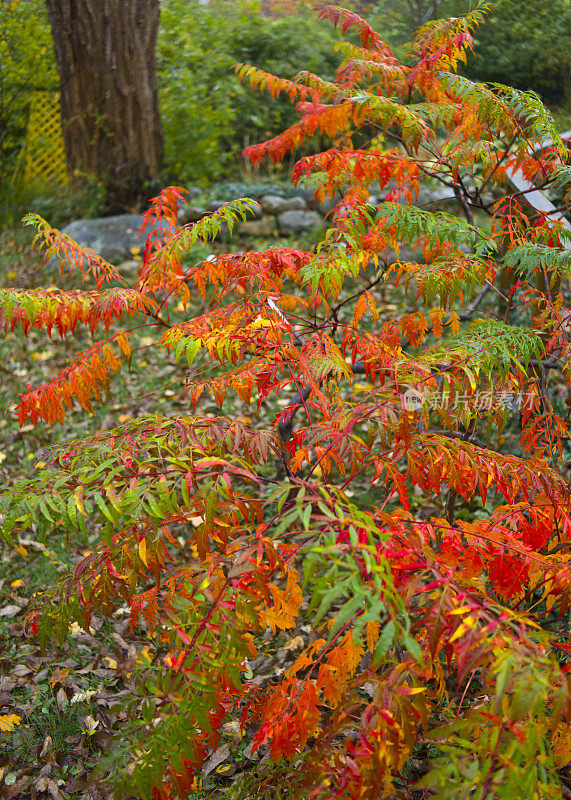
261	323
89	725
75	629
78	498
9	721
461	610
143	552
22	550
110	663
124	345
146	654
464	626
16	584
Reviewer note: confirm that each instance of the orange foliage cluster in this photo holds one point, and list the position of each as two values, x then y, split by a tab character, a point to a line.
433	568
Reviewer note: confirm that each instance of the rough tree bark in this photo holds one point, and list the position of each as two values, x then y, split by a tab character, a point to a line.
105	51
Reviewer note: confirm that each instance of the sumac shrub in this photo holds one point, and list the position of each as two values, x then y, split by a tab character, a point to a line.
338	506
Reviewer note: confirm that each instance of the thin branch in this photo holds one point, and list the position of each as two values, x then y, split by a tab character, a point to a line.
460	193
298	400
468	313
498	164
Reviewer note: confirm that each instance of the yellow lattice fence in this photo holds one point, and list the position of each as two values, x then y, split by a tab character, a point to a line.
44	160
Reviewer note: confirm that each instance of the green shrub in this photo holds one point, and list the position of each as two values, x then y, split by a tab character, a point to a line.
208	117
526	44
196	104
83	196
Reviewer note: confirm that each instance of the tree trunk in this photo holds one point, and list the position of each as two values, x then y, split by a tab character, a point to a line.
105	51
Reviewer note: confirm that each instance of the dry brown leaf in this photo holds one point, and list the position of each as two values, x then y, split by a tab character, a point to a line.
61	699
219	755
9	611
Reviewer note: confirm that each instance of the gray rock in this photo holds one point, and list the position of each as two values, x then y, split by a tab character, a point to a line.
224	234
327	206
193	192
188	214
214	205
295	204
254	210
274	204
130	268
306	193
113	238
298	221
324	207
258	227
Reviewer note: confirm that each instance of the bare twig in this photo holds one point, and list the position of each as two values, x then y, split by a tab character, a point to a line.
468	313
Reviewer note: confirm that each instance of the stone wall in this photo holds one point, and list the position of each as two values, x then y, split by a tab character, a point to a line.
275	213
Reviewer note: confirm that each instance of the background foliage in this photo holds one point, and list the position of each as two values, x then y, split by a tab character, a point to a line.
524	43
208	117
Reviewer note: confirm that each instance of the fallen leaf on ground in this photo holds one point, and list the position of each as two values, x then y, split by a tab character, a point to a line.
9	611
9	721
219	755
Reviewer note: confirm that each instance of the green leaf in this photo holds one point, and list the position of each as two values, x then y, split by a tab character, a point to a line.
384	641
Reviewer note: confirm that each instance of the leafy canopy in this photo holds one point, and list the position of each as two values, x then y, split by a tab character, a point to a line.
440	623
